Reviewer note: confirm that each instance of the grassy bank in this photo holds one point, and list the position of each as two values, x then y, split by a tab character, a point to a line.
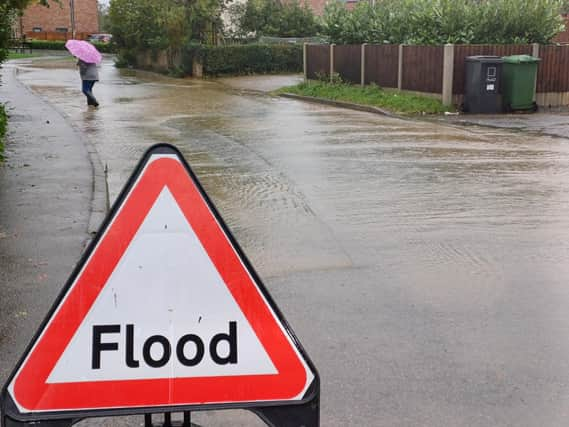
3	126
17	55
393	100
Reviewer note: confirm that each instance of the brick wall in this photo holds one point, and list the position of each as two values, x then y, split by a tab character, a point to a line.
317	6
564	36
59	16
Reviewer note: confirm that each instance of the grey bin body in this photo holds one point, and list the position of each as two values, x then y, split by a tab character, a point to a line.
483	91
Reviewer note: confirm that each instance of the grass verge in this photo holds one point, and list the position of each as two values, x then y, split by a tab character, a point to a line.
393	100
17	55
3	126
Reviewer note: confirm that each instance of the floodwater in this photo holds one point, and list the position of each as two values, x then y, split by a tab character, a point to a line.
424	267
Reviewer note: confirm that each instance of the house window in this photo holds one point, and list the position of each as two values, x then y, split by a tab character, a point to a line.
61	29
37	30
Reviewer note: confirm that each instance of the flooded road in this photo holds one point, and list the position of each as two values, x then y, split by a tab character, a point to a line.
424	267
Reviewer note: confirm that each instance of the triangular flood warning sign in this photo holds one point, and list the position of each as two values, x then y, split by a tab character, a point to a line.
163	310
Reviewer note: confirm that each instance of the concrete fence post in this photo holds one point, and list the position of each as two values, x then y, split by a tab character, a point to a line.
400	68
332	63
535	54
535	50
448	73
363	65
304	56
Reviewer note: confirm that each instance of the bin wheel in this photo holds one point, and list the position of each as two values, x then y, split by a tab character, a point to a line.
508	108
463	108
534	107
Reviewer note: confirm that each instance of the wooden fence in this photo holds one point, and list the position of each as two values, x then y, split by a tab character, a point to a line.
54	35
422	69
381	64
435	70
316	60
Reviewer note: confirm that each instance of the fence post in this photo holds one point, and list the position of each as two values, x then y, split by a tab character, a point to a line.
332	63
400	68
304	47
448	73
363	65
535	50
535	54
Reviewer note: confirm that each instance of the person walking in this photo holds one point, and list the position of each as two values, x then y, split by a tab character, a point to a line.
89	75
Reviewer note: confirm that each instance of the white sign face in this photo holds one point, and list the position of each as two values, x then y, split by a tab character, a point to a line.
158	290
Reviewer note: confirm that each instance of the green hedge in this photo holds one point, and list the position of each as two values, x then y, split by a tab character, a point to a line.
436	22
47	45
60	45
3	126
244	59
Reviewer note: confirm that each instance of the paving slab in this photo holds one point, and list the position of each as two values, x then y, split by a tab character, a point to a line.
554	123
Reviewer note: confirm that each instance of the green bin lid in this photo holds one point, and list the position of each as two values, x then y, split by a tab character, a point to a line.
521	59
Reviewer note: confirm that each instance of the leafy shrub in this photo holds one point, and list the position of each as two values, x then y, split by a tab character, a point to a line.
244	59
47	44
435	22
6	16
272	18
105	47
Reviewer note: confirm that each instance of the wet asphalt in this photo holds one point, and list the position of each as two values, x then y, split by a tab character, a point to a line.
423	265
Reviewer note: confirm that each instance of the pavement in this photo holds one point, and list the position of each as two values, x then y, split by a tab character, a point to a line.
548	123
52	194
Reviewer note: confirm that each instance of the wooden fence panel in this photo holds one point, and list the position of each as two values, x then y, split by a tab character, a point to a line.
423	68
348	62
553	70
382	64
462	51
54	35
317	60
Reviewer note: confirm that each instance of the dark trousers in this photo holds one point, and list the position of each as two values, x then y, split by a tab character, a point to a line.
88	91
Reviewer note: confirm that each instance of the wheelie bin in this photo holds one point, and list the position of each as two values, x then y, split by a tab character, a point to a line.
482	85
519	74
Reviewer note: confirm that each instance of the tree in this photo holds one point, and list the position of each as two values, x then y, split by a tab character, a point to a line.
103	11
139	25
9	10
274	18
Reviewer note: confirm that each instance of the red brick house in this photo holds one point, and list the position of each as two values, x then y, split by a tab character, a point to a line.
60	20
317	6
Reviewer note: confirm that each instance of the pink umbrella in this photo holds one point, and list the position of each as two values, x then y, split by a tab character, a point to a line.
83	50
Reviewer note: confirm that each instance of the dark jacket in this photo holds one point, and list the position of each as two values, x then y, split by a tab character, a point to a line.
88	71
